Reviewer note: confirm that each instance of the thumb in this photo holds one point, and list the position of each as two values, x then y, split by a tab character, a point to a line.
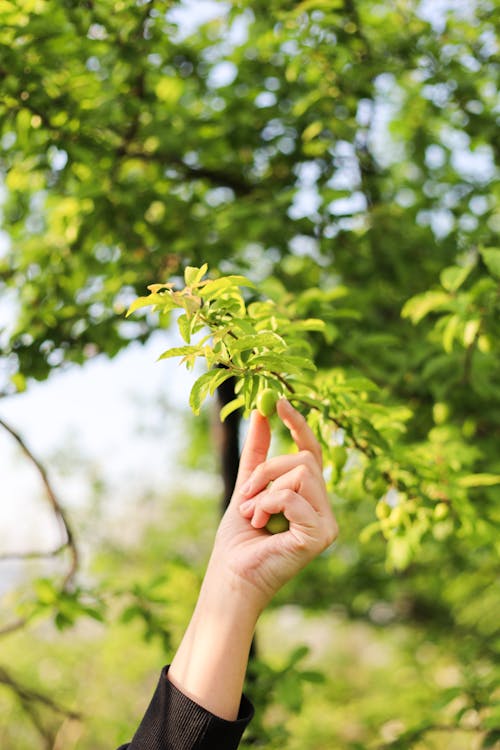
255	448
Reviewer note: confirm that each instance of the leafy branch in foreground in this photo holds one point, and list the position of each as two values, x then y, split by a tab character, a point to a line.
268	349
264	346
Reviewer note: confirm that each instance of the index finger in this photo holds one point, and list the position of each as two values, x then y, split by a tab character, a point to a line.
300	431
255	448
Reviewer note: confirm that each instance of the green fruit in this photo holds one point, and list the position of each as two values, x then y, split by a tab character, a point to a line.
277	523
339	456
440	412
382	510
266	402
441	511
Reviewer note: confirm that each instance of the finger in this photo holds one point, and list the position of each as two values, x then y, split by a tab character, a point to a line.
255	448
309	529
247	508
300	431
301	480
297	510
271	470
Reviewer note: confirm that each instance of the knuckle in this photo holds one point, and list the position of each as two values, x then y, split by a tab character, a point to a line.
331	532
307	458
303	472
288	496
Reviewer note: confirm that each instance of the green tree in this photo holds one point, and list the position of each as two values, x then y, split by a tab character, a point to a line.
344	153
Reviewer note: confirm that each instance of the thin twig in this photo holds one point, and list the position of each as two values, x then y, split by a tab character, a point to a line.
33	554
27	694
55	503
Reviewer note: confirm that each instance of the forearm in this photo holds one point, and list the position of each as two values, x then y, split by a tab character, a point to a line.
210	664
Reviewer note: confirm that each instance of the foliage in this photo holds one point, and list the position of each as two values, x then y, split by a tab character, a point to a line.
263	345
343	156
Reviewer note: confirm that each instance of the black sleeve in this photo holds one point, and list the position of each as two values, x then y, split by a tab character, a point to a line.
175	722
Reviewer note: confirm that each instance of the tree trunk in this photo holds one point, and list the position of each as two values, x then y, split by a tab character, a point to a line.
229	451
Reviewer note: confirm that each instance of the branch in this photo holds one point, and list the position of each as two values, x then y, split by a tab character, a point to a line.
222	177
60	514
33	554
31	700
28	695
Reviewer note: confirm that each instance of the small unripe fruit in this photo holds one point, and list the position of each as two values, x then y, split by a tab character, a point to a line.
440	412
277	523
382	510
339	456
266	402
441	511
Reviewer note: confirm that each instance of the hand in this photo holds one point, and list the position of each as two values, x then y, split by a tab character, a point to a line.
257	562
248	565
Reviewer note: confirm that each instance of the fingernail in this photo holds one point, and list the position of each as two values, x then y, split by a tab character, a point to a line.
245	488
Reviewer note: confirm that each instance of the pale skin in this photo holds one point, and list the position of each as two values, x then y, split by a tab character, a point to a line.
248	565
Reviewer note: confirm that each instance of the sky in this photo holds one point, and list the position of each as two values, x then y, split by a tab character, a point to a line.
109	415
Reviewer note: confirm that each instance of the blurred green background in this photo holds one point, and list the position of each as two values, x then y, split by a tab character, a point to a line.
348	147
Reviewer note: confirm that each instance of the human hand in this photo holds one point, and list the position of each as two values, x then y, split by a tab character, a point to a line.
259	563
248	565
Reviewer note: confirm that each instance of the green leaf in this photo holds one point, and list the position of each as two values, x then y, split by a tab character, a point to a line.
215	287
354	384
289	691
269	340
184	324
470	331
479	480
453	277
46	591
227	409
160	300
317	678
63	621
368	532
491	740
449	333
491	257
193	275
206	385
275	363
181	351
492	721
298	654
19	381
421	305
309	324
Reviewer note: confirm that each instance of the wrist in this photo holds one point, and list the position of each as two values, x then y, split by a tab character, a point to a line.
210	664
229	599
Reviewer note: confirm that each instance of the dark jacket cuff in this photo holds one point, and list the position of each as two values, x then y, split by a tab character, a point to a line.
175	722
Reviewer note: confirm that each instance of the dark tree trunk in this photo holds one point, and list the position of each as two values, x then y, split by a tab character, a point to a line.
229	444
229	451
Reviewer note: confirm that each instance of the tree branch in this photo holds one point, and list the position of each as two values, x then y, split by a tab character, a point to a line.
33	554
60	514
31	701
54	501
